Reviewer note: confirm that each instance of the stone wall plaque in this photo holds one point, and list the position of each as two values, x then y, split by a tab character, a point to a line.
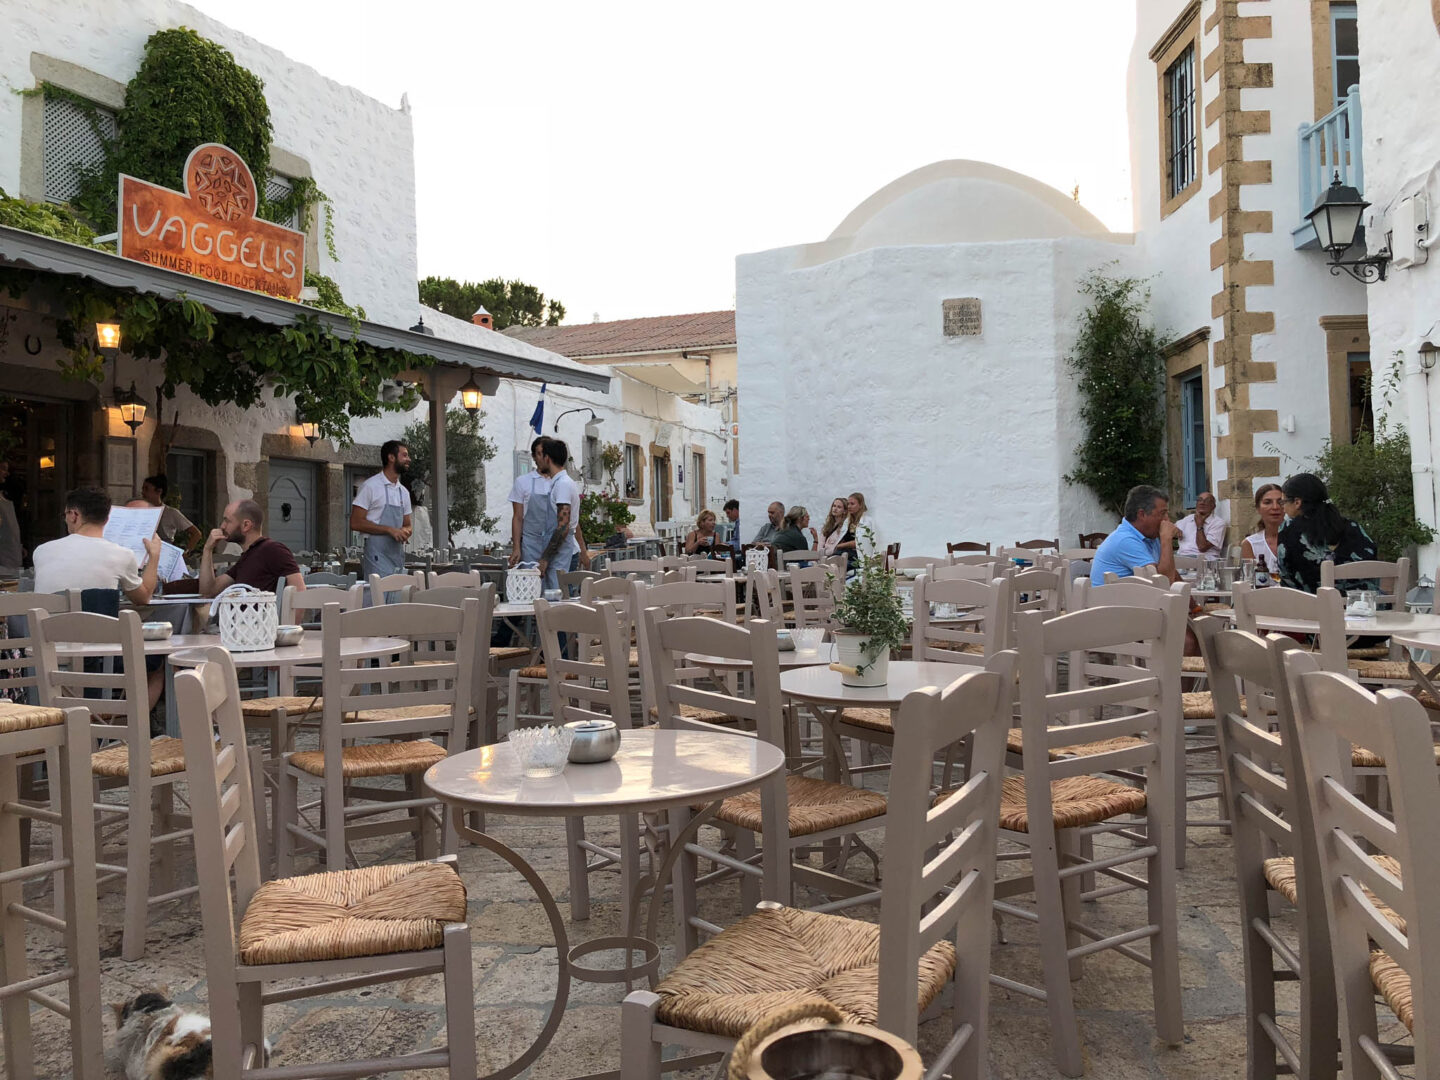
962	316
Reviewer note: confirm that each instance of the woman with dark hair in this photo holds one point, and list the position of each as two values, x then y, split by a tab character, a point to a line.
1315	532
1263	542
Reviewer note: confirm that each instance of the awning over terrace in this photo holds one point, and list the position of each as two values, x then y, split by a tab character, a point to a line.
487	355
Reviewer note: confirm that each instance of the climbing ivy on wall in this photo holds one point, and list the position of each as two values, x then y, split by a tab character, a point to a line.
1119	366
190	91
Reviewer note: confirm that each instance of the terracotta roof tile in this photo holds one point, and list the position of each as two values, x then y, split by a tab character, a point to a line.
623	336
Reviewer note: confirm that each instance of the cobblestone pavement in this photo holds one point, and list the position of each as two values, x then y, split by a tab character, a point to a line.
515	970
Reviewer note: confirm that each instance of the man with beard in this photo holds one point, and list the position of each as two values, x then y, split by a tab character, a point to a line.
381	511
263	563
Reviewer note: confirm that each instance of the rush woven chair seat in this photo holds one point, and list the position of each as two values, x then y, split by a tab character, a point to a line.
402	712
367	912
870	719
694	712
1192	665
1015	744
296	706
167	756
1361	758
1077	800
783	956
1280	875
377	759
1393	983
15	717
814	805
1200	705
509	652
1389	670
1368	652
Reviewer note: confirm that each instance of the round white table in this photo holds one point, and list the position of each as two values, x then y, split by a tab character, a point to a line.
789	658
821	686
1383	624
653	770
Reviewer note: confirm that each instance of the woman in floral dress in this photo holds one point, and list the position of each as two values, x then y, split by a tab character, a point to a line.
1315	532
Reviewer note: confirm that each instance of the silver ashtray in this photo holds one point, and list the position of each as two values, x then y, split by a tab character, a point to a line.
156	631
288	635
594	741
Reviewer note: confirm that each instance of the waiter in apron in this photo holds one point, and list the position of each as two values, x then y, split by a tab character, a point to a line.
549	498
381	512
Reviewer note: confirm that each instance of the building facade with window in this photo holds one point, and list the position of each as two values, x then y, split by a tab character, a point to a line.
58	433
1234	121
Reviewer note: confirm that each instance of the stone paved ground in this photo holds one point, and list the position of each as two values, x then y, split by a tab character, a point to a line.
515	978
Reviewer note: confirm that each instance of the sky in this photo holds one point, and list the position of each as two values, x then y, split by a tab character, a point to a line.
619	155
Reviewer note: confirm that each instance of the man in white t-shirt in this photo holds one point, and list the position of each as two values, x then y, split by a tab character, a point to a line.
381	511
561	545
532	483
86	560
1201	533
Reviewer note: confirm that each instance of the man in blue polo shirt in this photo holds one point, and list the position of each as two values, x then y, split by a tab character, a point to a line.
1145	538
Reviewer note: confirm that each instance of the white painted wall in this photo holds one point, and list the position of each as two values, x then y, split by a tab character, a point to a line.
850	384
1399	53
361	152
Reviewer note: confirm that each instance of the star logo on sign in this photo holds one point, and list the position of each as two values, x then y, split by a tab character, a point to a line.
220	187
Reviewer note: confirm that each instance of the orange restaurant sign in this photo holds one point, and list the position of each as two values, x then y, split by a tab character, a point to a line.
211	230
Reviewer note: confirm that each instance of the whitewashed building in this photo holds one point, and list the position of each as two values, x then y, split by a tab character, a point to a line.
360	153
1230	107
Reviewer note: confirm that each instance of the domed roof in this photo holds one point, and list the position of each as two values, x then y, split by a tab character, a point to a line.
964	202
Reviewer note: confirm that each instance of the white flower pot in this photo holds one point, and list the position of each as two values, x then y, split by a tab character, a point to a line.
854	651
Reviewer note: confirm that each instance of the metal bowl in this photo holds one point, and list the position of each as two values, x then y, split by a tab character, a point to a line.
288	635
156	631
595	741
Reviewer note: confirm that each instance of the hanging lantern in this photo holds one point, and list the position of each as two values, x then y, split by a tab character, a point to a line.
132	407
107	335
471	397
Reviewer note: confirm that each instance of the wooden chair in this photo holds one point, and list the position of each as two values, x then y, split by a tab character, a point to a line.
596	686
1392	578
711	564
789	560
429	693
1274	844
303	606
977	560
147	768
484	682
571	581
814	592
632	567
355	928
934	912
967	545
394	587
986	570
1093	539
790	812
1059	801
769	598
1038	545
1377	872
892	552
437	579
918	562
62	738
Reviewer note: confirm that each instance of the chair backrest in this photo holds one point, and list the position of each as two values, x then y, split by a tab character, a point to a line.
436	579
1190	562
892	552
631	567
1038	590
1092	540
19	678
615	589
572	581
936	639
1393	578
1323	608
1369	859
433	682
597	685
669	577
123	695
672	562
814	591
1124	666
919	562
974	560
454	596
1085	593
967	545
808	555
940	859
984	570
682	599
325	577
711	564
1265	801
1038	545
394	583
222	809
768	596
303	606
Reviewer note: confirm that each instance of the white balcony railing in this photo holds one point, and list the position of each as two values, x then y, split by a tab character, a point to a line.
1328	148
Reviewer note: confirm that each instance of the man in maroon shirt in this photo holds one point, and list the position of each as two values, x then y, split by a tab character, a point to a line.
263	563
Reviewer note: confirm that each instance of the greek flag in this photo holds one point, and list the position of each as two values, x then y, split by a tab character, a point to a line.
537	418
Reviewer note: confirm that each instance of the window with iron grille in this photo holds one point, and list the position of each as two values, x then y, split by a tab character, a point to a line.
1181	149
75	139
280	187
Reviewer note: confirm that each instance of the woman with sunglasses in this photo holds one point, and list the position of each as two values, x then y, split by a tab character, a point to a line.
1315	532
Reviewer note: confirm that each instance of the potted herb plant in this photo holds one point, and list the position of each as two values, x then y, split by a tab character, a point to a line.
871	621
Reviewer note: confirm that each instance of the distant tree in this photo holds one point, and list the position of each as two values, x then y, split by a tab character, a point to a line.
466	452
511	303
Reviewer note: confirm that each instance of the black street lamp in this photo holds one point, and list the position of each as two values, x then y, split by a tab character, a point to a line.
1336	221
